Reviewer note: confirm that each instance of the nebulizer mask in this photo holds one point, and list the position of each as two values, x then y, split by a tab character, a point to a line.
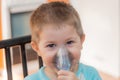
63	61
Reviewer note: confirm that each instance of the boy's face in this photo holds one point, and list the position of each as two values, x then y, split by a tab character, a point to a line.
51	39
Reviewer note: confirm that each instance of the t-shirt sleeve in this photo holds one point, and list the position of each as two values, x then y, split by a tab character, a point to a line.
32	77
27	78
93	74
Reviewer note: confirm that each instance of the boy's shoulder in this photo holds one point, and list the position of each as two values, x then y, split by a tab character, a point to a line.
89	72
87	68
36	76
32	77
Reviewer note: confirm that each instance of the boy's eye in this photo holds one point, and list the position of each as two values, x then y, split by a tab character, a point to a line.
70	42
51	45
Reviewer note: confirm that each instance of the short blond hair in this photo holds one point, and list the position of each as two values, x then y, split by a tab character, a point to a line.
54	13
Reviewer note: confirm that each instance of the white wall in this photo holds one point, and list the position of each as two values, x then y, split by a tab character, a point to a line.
100	20
6	28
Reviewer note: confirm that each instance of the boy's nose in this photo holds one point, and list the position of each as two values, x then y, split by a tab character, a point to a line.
62	49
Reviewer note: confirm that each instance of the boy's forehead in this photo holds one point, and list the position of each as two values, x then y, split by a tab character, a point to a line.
57	27
50	32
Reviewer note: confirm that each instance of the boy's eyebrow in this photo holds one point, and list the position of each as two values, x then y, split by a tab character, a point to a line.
52	41
73	38
46	42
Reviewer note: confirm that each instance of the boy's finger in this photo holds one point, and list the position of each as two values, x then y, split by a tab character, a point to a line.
65	73
62	78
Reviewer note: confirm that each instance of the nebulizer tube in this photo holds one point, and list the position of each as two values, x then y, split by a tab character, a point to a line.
63	60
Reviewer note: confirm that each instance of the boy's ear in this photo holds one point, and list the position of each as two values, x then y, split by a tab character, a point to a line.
82	38
35	46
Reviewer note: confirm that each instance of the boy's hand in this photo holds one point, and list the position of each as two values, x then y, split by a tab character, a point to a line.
66	75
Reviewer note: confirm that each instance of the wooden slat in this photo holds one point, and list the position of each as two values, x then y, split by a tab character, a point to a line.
40	62
15	41
24	61
21	41
8	63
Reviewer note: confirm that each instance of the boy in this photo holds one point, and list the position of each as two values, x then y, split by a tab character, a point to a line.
56	29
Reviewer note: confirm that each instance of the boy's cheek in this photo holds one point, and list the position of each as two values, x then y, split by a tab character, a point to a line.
48	60
75	56
74	62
